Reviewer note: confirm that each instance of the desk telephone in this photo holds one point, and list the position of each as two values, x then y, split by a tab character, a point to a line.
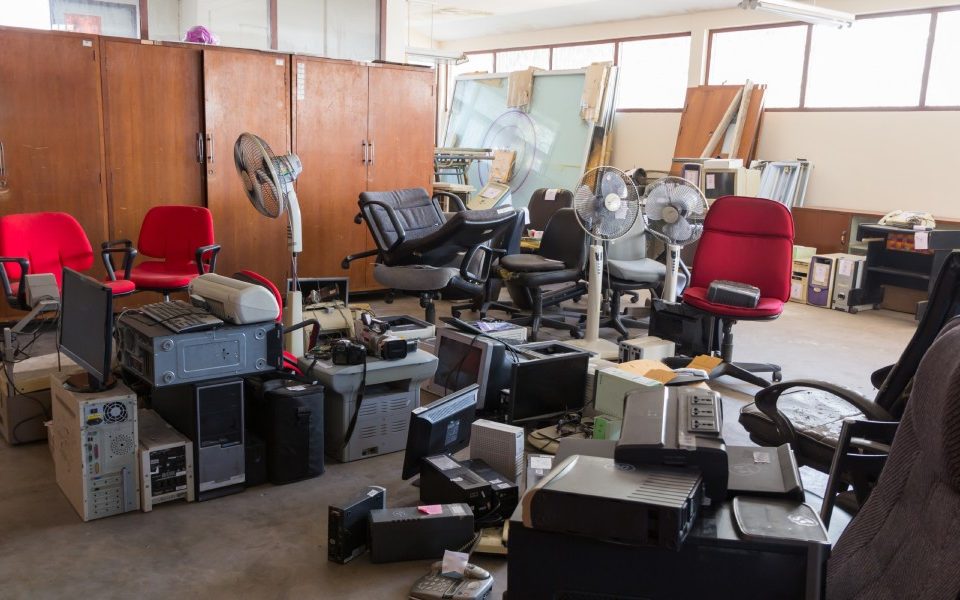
475	585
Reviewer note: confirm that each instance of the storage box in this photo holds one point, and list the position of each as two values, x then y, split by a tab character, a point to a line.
803	253
25	405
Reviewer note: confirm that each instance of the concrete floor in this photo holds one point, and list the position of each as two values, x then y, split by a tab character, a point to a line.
269	541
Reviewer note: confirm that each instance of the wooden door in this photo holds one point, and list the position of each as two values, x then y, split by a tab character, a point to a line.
50	128
245	92
153	113
330	128
401	125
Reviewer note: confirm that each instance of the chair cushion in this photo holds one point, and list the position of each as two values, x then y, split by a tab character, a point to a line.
540	278
163	275
766	307
530	263
414	278
121	287
644	270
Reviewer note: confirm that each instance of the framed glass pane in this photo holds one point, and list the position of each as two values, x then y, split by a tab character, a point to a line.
518	60
235	23
653	73
475	63
943	88
34	14
578	57
773	55
877	62
121	19
352	29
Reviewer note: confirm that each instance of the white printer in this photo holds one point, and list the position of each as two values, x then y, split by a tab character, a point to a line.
232	300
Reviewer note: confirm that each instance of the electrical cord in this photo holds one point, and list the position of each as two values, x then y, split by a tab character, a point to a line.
356	413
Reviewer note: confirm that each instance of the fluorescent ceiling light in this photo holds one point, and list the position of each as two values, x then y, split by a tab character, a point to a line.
436	55
808	13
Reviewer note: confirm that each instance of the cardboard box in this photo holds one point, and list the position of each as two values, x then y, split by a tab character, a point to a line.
902	299
25	405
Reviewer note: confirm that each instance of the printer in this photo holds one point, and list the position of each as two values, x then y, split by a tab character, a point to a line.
238	302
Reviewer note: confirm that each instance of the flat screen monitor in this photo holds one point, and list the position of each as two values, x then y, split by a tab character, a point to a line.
441	427
86	329
464	359
547	387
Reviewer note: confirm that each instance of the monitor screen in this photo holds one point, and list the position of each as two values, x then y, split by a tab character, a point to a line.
458	364
547	387
440	427
86	325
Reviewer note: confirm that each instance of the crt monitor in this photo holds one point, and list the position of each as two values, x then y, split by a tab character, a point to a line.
464	359
547	386
441	427
86	329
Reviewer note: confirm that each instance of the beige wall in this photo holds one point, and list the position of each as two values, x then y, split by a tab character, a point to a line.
873	161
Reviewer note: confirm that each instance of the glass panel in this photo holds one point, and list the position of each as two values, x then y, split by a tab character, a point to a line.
164	20
653	73
518	60
578	57
34	14
476	63
235	23
352	29
773	56
119	18
877	62
943	89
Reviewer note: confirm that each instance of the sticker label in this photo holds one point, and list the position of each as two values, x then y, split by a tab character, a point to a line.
541	462
761	458
457	510
921	240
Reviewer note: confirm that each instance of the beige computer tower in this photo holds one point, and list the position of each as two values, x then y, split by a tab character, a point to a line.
166	462
95	449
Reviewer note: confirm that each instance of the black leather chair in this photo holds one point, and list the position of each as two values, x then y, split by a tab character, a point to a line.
541	209
811	421
421	250
561	260
505	244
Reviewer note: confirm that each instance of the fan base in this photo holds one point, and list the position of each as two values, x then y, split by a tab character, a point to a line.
604	349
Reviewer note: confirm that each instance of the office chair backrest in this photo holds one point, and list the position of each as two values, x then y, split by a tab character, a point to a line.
541	209
748	240
632	246
49	240
564	240
942	306
509	239
417	212
174	232
904	541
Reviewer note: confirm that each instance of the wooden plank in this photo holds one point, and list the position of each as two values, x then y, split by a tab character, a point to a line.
330	129
751	126
702	110
741	117
720	128
245	91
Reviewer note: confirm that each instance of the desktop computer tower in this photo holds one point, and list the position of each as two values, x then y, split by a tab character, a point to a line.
209	414
822	277
848	284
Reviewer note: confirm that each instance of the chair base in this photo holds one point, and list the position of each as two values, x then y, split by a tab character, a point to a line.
742	371
540	301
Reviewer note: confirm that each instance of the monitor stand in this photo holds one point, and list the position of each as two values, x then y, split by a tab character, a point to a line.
84	383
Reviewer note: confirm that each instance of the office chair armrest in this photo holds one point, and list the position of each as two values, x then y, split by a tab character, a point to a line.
20	297
211	265
394	220
766	401
485	262
345	263
880	375
129	253
456	199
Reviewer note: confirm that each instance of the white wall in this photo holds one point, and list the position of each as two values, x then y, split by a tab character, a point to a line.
868	161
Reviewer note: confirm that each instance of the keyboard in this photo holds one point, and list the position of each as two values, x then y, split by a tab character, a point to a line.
181	317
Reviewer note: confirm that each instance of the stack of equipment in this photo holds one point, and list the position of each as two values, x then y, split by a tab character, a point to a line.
418	533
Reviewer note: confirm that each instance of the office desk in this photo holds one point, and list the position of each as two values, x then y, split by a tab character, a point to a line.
907	268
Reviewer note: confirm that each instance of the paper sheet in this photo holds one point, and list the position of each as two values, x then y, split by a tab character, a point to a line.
821	273
551	194
921	240
454	564
845	268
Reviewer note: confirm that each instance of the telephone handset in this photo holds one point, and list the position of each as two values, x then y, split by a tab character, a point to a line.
475	585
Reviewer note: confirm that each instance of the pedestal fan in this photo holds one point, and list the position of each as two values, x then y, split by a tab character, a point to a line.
268	180
607	205
674	210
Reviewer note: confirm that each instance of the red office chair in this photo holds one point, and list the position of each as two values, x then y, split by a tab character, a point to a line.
47	242
179	242
747	240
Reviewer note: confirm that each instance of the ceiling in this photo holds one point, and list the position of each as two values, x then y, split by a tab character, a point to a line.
446	20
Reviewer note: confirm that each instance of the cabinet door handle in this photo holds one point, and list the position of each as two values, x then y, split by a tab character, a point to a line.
363	143
200	148
843	238
210	148
3	163
372	151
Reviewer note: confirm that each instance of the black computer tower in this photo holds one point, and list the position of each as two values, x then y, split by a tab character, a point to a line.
255	471
288	415
211	415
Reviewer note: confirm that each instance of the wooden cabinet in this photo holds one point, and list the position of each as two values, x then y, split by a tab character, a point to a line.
153	117
245	92
356	128
50	128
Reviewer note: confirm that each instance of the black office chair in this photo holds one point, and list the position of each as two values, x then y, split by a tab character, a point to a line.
811	421
505	244
561	260
420	250
544	203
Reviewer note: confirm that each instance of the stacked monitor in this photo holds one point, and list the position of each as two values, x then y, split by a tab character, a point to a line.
86	330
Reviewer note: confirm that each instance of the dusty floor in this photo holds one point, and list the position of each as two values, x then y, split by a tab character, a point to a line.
269	541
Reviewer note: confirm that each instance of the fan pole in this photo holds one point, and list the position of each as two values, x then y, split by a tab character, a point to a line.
670	281
594	294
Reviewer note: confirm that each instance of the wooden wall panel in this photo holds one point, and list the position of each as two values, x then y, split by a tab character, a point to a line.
330	127
153	113
50	128
245	91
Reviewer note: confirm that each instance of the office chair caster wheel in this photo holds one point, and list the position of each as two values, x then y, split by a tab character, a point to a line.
582	319
389	298
777	376
455	314
634	298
